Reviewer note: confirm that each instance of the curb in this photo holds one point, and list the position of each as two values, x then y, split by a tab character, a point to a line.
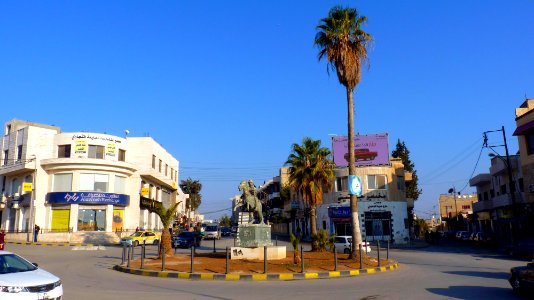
51	244
255	277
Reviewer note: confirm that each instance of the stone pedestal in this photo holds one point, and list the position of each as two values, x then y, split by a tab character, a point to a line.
253	235
273	253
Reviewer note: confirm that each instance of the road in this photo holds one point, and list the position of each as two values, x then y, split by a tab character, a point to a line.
453	271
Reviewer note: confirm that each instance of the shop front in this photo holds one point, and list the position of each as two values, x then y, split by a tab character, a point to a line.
87	211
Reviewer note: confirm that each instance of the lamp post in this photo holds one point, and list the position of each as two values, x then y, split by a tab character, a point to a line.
31	220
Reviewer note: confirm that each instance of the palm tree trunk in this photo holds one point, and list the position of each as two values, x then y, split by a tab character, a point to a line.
356	232
313	224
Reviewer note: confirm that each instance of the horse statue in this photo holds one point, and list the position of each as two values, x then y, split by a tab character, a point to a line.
248	200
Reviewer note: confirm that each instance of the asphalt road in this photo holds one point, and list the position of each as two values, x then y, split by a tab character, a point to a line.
452	271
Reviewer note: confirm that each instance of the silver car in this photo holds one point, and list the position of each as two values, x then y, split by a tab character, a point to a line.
22	280
343	244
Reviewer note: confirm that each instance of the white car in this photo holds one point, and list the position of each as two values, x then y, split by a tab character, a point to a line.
22	280
212	232
343	244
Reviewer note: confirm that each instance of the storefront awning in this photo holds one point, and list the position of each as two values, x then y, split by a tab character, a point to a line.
522	128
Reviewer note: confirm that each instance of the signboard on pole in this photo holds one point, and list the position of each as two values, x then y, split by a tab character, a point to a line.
27	187
355	185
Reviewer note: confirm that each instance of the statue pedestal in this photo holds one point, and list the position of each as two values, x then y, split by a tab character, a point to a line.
253	235
273	253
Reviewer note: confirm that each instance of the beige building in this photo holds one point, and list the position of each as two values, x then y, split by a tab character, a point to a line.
84	186
525	137
451	206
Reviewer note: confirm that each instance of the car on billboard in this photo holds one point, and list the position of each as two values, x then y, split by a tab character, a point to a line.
362	154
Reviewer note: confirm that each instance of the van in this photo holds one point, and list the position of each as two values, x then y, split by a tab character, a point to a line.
212	231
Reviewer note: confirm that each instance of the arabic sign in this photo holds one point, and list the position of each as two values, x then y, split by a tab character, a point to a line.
80	147
96	137
339	212
87	198
370	149
27	186
110	149
355	185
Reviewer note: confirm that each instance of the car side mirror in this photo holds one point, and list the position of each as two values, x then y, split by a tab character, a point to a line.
35	264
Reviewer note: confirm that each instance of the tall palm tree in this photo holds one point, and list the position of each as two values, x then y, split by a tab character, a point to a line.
310	174
192	188
344	44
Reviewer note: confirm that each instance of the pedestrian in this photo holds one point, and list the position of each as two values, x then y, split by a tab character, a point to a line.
36	233
2	238
137	229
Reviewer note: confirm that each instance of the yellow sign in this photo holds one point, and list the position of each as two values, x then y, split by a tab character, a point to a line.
27	187
80	147
118	219
110	149
144	192
174	185
60	219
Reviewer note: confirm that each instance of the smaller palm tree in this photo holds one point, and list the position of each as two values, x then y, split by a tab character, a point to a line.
295	241
166	216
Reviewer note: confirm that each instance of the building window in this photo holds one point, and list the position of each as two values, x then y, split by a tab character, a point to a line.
485	196
172	173
153	162
521	185
166	169
6	154
503	189
160	164
529	139
63	151
492	194
94	182
122	155
8	129
96	151
91	220
401	185
342	184
120	185
19	152
63	182
376	182
15	186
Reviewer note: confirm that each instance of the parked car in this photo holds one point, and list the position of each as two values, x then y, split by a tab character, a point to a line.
146	236
522	279
524	248
483	238
343	244
212	232
20	279
459	234
186	239
226	231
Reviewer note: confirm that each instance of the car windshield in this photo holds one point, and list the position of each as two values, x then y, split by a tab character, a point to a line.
211	228
12	263
139	233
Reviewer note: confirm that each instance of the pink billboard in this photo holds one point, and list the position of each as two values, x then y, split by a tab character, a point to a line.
371	149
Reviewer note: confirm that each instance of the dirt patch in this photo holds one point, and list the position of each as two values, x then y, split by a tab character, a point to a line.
216	263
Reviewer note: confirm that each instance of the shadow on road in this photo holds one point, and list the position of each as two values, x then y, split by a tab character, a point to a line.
495	275
474	292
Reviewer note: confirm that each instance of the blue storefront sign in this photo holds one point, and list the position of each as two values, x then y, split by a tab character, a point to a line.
339	212
87	198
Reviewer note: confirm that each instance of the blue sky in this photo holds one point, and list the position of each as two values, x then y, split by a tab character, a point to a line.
227	87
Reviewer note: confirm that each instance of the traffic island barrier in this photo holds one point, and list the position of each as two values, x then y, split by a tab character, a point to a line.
257	277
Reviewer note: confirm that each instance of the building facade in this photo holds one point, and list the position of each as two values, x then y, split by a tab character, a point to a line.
84	186
454	210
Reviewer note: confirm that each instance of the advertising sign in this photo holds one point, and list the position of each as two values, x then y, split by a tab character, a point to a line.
118	219
110	149
369	150
27	186
145	191
87	198
80	147
339	212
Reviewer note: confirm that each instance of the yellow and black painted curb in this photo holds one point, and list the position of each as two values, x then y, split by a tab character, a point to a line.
255	277
50	244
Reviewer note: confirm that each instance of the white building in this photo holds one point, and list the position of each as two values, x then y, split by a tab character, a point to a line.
85	186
